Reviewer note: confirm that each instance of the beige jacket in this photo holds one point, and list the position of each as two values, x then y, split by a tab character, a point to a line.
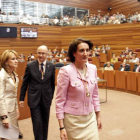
8	93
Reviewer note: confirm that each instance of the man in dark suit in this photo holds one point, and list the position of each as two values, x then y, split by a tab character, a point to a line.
39	78
124	67
137	67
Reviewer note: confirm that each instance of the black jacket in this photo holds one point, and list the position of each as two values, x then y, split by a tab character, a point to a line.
37	87
135	67
127	68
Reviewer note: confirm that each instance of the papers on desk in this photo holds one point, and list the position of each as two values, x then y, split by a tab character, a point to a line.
12	133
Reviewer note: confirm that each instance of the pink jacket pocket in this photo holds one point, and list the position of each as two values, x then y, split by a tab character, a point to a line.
93	81
72	104
75	84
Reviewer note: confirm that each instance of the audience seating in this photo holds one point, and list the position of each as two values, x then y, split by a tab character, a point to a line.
110	65
68	64
127	65
59	65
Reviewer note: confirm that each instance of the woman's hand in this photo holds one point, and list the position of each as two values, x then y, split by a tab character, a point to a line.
63	134
5	123
98	118
17	112
99	124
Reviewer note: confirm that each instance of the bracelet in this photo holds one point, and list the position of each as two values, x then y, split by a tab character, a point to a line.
62	128
4	117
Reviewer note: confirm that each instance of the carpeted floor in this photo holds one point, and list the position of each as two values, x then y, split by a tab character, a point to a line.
120	118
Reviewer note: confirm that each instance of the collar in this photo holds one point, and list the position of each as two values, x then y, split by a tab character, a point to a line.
7	74
42	62
87	74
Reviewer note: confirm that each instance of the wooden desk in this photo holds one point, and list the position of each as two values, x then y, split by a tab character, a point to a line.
117	65
103	81
131	66
24	111
131	81
100	75
109	76
103	57
109	55
120	79
138	83
95	61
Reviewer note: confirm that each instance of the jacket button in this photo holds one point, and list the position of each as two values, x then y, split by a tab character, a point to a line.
75	83
72	104
86	104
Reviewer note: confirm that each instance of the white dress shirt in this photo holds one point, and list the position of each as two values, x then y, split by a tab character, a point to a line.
43	65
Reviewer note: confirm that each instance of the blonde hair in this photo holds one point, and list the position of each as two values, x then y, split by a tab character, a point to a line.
6	55
108	62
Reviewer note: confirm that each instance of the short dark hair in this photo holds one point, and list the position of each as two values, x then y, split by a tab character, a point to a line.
73	47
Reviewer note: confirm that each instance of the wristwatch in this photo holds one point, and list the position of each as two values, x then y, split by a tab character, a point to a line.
61	128
4	117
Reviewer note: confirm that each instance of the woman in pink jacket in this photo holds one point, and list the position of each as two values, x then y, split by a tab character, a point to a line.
77	99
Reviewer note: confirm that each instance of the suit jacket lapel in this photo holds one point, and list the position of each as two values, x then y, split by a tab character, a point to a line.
9	78
37	69
46	70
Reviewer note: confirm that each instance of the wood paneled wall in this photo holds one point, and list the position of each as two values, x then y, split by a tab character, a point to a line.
124	6
92	5
117	36
47	35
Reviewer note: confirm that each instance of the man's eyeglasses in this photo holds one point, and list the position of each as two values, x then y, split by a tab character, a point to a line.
41	53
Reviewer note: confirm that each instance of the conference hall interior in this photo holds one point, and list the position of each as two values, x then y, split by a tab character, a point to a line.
114	28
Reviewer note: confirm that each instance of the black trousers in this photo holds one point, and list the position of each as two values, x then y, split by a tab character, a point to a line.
40	119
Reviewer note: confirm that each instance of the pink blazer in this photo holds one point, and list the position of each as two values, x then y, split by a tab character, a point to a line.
71	93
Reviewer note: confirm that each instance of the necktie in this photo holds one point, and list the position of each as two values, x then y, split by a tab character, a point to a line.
42	67
42	71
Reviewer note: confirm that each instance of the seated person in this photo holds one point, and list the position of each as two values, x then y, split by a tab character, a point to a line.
82	23
55	50
127	50
104	51
124	67
108	67
62	59
137	67
49	55
107	47
134	59
114	59
56	21
122	55
33	57
127	59
97	48
130	54
57	55
95	53
103	47
29	59
63	51
21	58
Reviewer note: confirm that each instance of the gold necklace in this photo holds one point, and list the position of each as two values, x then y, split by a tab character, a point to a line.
84	82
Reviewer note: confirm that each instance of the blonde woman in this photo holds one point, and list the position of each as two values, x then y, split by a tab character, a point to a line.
114	59
108	66
9	112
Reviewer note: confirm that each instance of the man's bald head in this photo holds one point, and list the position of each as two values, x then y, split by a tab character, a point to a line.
42	47
42	53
